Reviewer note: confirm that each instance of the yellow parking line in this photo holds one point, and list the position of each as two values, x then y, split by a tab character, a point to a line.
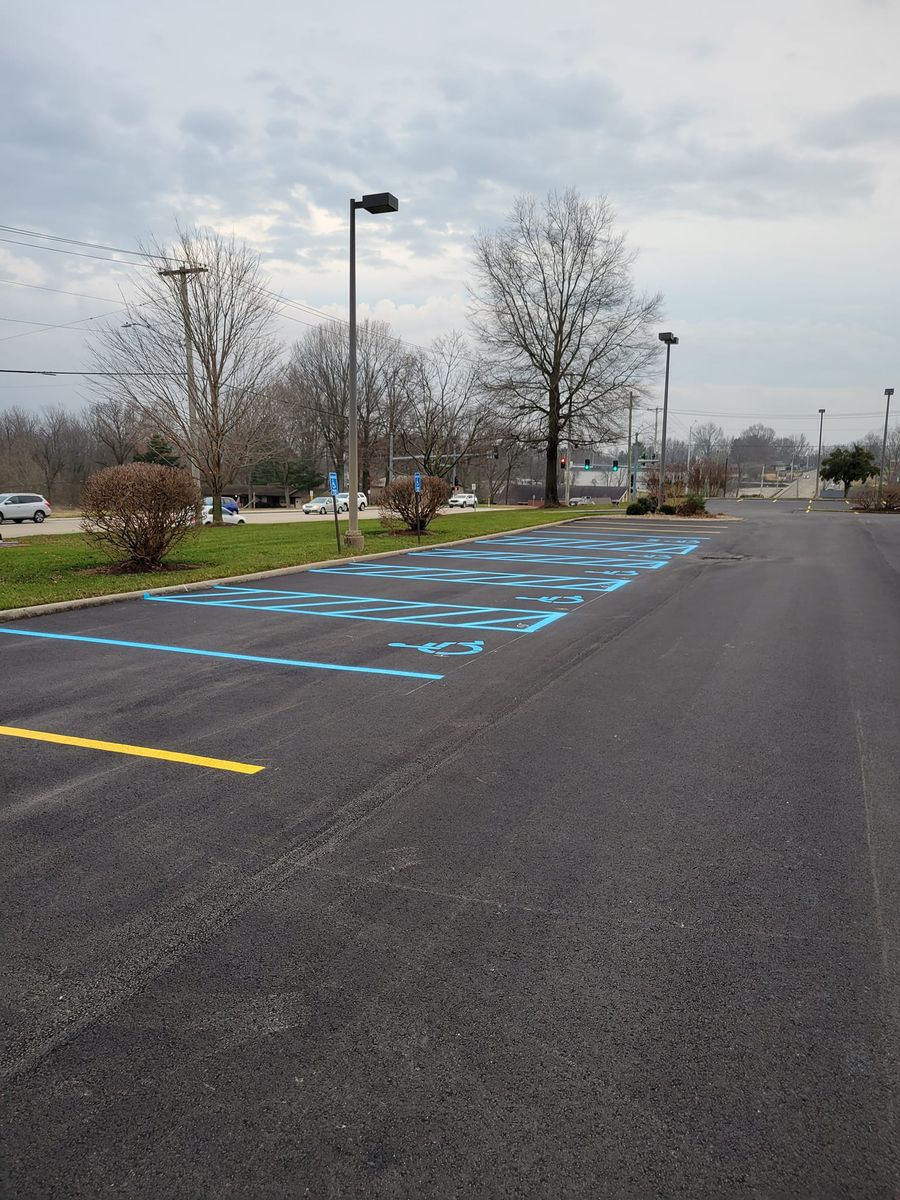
196	760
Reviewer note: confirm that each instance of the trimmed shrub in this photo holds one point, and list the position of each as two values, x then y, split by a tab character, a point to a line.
890	497
668	509
635	509
691	505
398	502
138	512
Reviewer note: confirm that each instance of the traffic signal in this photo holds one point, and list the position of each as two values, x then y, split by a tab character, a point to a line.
587	464
615	464
562	463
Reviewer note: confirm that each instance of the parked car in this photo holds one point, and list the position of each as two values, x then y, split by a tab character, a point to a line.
228	518
575	501
320	505
463	500
228	502
23	506
343	499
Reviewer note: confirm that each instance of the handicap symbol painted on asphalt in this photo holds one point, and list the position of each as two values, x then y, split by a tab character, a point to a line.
553	599
442	649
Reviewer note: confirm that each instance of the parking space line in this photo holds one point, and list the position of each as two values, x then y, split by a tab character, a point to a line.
574	560
251	658
460	575
369	608
195	760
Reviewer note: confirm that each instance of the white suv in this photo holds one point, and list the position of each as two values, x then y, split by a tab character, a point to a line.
23	506
463	500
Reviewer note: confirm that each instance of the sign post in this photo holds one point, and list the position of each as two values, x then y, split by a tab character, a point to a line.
333	488
417	484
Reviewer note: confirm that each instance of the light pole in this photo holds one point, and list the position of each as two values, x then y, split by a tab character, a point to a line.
888	392
671	340
380	202
819	455
628	488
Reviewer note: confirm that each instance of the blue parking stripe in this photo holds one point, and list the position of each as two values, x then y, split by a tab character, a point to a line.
574	560
369	608
515	579
254	658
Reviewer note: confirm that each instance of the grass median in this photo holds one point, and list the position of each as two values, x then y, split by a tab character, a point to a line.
50	568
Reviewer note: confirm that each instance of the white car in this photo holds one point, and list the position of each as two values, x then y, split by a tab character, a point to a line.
343	499
23	506
228	518
463	500
321	505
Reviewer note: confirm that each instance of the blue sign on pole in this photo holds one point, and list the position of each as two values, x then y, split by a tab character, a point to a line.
332	482
417	480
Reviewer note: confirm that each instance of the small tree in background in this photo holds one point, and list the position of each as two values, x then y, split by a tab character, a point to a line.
398	502
138	512
845	466
158	451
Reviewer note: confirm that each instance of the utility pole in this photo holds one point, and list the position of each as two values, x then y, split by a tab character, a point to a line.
819	455
888	392
628	488
568	460
181	273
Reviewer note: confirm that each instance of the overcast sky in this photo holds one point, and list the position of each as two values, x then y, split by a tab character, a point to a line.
752	153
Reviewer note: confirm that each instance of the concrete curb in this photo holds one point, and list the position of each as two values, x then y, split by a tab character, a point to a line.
38	610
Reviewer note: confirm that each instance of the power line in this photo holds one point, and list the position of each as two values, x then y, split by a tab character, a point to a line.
55	237
77	253
64	325
60	291
112	374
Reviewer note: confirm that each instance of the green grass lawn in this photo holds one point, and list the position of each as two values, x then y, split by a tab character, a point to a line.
48	568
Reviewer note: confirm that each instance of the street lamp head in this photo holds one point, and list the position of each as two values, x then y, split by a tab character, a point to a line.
669	338
821	411
380	202
889	391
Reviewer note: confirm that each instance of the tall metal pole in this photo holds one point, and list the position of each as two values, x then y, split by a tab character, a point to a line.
819	455
353	539
888	392
662	449
628	488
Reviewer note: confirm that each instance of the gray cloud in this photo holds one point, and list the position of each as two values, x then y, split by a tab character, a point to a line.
875	119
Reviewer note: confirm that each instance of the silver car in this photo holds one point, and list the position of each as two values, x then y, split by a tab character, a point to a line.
23	506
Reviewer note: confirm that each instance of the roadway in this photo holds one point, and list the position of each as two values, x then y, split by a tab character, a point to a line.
564	863
262	516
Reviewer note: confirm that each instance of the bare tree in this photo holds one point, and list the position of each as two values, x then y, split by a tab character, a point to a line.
116	427
444	411
318	376
18	437
229	315
708	440
52	447
564	332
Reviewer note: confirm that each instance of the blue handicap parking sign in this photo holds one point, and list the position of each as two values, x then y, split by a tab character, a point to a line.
332	482
417	480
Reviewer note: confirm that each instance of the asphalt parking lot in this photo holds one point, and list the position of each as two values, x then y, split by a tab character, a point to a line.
537	865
